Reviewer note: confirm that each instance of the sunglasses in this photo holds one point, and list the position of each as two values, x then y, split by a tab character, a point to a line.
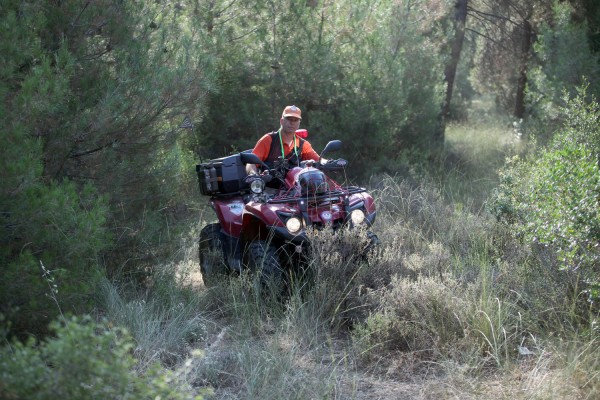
292	119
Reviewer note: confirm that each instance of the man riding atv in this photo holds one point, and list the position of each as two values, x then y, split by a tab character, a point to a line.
284	142
265	231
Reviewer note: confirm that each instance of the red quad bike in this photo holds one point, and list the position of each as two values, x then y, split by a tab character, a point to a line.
263	218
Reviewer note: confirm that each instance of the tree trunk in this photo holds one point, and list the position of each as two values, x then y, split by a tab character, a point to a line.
522	82
460	17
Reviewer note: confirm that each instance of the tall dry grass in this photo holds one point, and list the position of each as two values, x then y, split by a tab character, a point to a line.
450	305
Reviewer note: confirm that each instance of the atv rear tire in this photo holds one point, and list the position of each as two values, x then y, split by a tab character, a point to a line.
263	260
210	254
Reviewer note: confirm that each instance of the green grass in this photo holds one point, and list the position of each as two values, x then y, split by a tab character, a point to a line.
473	156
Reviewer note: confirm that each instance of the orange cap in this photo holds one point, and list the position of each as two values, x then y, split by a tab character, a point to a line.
291	111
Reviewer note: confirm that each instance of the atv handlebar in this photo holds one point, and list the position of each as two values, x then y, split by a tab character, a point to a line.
333	165
329	165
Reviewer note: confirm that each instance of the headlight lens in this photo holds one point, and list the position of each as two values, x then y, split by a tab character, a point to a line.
358	217
293	225
257	186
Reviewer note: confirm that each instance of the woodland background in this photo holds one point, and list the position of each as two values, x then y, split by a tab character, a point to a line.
99	200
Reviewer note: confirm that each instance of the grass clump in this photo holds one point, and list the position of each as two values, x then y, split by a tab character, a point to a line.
424	315
164	319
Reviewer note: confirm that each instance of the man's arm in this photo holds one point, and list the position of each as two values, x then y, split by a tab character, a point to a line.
262	151
308	153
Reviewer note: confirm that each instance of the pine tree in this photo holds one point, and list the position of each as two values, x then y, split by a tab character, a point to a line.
92	94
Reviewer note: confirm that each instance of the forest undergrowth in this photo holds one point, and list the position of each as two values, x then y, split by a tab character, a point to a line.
487	280
451	305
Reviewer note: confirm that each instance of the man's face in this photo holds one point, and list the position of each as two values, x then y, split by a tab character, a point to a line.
290	124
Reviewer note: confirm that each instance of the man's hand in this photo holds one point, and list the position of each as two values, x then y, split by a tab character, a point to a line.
251	169
311	163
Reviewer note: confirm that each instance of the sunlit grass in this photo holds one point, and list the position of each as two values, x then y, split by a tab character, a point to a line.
474	154
450	300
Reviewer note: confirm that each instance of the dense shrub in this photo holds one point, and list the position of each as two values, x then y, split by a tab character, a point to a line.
92	165
553	200
423	315
53	235
84	360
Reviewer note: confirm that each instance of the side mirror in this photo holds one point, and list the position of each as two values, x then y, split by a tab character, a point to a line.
333	145
251	158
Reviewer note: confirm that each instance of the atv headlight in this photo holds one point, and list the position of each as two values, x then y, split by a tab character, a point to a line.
257	186
293	225
357	216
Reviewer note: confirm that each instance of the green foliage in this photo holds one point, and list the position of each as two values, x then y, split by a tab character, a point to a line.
61	103
91	97
56	226
358	71
553	199
565	61
581	116
83	361
591	11
560	213
58	213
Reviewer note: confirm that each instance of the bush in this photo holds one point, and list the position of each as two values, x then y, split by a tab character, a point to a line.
553	200
422	315
337	270
84	361
51	244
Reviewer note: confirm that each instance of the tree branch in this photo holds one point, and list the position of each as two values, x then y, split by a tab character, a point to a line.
490	17
488	38
95	150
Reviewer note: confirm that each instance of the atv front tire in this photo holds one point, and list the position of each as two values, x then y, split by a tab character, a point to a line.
263	260
210	254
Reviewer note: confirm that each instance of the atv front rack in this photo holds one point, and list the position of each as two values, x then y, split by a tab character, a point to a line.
342	191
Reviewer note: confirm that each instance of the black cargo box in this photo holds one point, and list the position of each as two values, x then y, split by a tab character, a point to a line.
222	176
